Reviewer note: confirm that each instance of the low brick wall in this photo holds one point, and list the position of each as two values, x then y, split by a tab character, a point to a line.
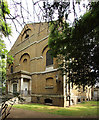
48	99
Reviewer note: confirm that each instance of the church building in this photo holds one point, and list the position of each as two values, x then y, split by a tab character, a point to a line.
35	75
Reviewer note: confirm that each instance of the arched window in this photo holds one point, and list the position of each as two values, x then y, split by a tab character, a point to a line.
79	100
14	88
26	36
49	81
25	60
48	101
49	59
11	69
25	55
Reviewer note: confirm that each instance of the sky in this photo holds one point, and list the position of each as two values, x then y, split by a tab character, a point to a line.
31	14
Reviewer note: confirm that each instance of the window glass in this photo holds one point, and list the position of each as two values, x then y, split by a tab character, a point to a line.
25	60
48	101
49	81
14	88
49	59
11	69
26	36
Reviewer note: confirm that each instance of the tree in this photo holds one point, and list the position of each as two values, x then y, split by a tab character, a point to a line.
3	52
79	46
4	27
5	30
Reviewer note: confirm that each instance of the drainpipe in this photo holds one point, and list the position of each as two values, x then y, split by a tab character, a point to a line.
64	88
64	85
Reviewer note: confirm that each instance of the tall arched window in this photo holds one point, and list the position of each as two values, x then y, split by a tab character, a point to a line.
49	59
11	68
25	62
26	33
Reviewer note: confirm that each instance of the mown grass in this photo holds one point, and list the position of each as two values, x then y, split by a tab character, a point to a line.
85	109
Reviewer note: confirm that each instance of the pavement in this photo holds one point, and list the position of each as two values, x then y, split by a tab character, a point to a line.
17	113
20	113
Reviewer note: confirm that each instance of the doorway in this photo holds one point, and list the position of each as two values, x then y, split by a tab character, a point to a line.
14	88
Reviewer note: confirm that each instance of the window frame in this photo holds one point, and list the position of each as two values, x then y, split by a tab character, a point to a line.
11	69
49	59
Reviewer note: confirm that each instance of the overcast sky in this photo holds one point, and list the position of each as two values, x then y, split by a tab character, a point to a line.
31	14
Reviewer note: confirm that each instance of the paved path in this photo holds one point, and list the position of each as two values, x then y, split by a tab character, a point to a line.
20	113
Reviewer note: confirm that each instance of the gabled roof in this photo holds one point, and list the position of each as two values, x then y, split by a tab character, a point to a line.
28	31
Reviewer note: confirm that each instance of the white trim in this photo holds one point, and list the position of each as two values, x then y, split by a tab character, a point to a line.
26	76
22	72
31	44
21	83
49	87
40	95
44	72
41	57
28	73
49	68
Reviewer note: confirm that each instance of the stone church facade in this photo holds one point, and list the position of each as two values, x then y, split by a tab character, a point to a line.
35	74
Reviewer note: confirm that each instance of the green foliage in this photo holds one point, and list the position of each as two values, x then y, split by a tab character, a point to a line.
87	22
5	29
3	90
10	59
59	38
3	53
78	46
3	69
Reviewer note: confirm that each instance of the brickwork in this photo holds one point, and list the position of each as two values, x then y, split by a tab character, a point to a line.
29	52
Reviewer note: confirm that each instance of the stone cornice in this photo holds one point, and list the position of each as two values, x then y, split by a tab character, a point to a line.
36	58
44	72
33	73
20	72
44	95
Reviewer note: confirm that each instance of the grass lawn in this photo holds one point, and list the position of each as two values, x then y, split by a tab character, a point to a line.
86	109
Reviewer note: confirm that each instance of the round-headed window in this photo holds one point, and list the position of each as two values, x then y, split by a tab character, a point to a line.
49	59
25	60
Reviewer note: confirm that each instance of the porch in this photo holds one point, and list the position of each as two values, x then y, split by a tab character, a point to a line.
20	83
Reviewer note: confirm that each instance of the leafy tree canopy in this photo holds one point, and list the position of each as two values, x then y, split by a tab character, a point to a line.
79	46
5	29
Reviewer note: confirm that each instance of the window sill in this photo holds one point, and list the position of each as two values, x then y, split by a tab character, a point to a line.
49	87
49	68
